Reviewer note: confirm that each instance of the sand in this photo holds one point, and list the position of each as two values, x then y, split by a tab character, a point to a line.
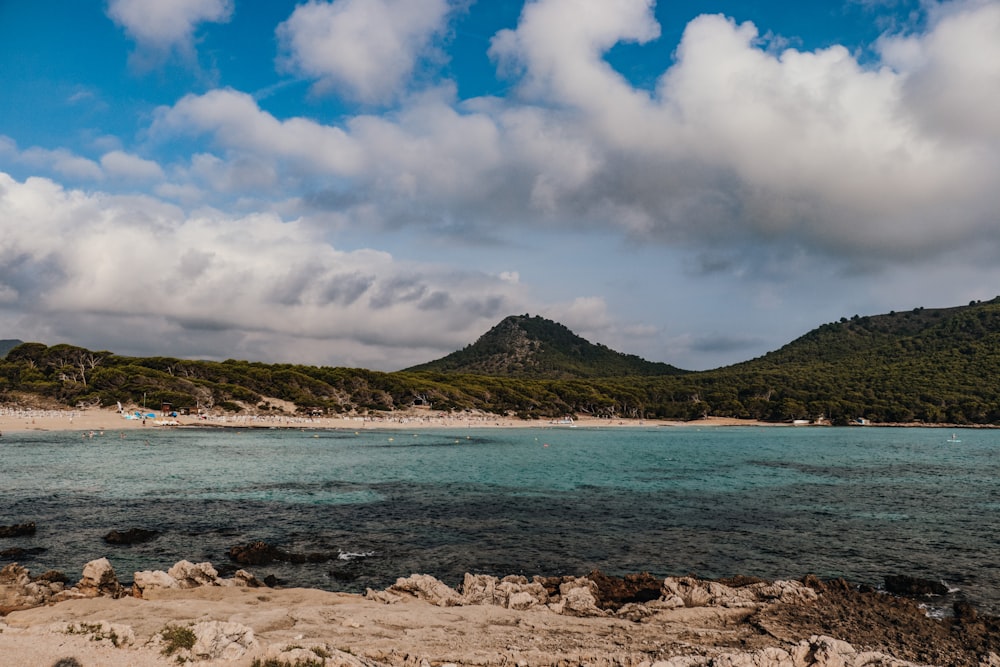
14	420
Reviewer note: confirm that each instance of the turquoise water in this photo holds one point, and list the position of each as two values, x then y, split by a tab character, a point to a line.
773	502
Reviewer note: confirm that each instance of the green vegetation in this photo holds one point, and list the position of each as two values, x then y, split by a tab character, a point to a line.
97	631
275	662
924	365
177	638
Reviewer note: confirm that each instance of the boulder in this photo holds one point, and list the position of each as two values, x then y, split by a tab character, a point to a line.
18	553
257	553
99	580
907	586
577	597
614	592
149	580
17	591
130	536
18	530
193	575
698	593
427	588
219	640
512	592
243	579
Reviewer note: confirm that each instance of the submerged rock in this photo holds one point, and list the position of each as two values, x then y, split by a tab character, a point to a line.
17	553
131	536
903	584
18	530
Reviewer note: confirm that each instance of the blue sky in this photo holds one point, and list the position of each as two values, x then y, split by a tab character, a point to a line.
378	182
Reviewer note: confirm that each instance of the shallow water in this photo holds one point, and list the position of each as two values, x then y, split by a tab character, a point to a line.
773	502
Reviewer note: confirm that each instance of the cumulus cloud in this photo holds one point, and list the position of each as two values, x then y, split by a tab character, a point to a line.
162	27
736	145
120	164
363	49
257	283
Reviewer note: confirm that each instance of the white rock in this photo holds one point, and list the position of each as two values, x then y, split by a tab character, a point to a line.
427	588
191	575
150	580
218	640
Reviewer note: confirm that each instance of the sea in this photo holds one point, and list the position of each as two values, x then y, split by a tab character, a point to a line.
369	506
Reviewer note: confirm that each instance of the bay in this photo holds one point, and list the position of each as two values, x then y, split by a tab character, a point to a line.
858	503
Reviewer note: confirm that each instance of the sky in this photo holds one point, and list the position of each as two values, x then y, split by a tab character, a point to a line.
377	183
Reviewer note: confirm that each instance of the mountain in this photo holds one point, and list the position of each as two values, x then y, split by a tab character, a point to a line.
8	345
534	347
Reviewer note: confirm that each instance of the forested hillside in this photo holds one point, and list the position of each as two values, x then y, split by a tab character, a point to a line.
534	347
929	365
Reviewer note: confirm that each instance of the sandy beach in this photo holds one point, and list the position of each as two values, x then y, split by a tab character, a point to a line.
109	420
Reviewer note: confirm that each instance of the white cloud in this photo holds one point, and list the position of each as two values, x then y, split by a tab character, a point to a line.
254	278
62	162
126	166
364	49
160	27
738	146
239	124
953	72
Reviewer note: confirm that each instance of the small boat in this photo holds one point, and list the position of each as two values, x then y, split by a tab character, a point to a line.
953	439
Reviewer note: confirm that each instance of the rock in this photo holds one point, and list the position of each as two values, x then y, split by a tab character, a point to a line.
384	597
191	575
18	530
149	580
907	586
577	598
218	640
257	553
52	576
697	593
99	580
512	592
113	634
482	589
17	553
691	591
18	591
427	588
304	656
244	579
614	592
14	575
131	536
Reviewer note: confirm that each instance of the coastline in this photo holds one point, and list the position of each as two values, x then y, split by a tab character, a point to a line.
98	419
418	621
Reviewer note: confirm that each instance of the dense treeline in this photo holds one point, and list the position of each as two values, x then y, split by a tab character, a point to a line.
923	365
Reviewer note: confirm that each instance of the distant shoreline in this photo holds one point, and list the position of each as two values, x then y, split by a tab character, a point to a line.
13	420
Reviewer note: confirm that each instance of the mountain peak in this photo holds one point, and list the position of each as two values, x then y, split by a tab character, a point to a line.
535	347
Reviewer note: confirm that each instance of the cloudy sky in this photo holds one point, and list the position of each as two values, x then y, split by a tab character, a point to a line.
376	183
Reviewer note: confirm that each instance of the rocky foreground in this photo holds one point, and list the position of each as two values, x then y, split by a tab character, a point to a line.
190	614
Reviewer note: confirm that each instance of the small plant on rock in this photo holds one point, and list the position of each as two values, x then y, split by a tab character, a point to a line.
96	631
176	638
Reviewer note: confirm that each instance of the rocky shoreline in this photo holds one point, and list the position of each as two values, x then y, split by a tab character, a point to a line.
559	621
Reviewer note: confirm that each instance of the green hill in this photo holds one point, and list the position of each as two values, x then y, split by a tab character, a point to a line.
534	347
932	365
